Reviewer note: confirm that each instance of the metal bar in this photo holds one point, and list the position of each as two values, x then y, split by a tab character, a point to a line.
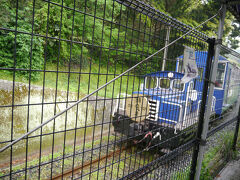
13	92
203	107
166	49
201	148
143	8
43	95
56	89
29	90
220	127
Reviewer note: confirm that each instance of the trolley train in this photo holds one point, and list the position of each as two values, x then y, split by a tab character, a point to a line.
165	106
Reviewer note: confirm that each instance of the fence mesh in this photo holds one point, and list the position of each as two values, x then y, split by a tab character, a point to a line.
142	125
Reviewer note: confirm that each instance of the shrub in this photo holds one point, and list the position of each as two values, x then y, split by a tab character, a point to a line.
26	52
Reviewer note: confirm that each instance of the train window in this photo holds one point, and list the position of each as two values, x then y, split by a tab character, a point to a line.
177	85
200	72
151	82
220	75
191	86
180	67
165	83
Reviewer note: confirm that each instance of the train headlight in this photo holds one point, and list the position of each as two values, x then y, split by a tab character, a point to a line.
170	74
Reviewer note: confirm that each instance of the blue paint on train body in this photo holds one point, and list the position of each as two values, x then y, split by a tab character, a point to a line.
201	58
169	95
174	106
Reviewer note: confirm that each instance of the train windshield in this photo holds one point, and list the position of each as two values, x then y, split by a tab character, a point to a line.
151	82
164	83
177	85
220	75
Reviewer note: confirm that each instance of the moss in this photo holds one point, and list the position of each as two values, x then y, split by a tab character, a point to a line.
125	84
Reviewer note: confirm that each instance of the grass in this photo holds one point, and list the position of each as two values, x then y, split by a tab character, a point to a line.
127	164
48	157
182	175
220	151
87	83
214	159
217	156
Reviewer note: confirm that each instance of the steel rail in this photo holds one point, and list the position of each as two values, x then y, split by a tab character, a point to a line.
68	173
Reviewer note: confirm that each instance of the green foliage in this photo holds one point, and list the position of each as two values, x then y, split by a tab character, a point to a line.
234	42
192	12
216	155
84	29
81	39
25	57
97	40
27	52
181	175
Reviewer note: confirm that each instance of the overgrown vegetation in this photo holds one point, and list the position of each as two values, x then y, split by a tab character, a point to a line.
192	12
130	83
78	43
82	41
215	158
22	51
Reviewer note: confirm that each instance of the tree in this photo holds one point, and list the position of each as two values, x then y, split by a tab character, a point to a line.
193	13
233	41
27	52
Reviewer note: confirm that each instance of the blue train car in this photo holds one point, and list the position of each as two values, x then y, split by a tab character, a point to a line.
165	105
223	78
170	101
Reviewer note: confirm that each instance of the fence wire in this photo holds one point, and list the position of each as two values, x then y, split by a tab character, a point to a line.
142	125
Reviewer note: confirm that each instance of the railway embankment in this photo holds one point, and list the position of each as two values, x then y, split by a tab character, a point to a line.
30	107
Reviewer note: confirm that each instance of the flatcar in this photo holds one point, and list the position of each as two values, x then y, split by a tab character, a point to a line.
165	106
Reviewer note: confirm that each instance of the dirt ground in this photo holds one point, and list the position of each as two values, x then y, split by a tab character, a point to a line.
231	171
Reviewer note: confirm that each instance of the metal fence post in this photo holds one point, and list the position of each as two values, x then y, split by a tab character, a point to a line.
166	49
204	117
202	108
236	131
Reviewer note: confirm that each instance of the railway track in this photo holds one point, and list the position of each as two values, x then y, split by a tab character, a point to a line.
79	169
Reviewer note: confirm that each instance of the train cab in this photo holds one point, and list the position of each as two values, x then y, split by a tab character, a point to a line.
164	101
171	102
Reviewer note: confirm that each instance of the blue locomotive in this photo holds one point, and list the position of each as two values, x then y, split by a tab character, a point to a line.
165	106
